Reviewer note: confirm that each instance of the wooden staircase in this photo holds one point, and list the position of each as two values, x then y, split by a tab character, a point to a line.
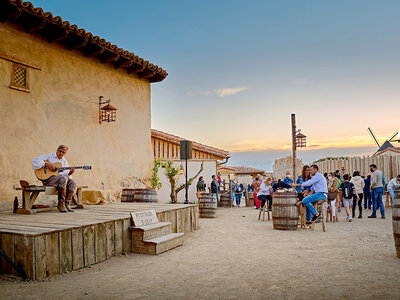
155	238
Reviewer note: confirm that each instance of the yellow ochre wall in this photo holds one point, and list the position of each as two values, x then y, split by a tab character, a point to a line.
62	108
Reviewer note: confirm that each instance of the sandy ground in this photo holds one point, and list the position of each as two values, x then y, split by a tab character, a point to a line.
234	257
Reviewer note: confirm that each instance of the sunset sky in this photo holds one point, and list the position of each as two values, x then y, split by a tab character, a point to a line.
238	69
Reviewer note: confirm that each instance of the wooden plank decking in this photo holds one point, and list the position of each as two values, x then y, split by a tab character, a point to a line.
51	243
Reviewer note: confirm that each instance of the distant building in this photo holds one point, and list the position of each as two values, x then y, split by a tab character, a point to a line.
167	147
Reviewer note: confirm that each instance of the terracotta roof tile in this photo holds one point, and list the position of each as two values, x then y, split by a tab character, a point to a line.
245	170
123	56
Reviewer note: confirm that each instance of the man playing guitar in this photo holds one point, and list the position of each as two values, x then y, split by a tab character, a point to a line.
63	182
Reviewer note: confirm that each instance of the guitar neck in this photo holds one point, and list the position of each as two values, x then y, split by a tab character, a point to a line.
68	168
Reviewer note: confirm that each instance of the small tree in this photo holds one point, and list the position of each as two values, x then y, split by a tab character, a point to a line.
155	179
172	173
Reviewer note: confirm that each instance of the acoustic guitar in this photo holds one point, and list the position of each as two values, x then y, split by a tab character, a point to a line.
44	173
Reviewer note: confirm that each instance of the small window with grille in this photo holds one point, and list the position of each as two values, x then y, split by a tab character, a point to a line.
20	78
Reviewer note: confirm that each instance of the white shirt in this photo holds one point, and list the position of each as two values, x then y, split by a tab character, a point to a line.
52	158
264	190
318	183
392	183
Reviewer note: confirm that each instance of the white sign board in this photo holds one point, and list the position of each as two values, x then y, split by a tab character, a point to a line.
146	217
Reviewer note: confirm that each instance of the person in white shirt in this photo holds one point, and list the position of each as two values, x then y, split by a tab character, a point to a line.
392	184
63	182
265	193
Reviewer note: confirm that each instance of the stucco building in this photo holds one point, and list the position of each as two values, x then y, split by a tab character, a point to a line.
52	74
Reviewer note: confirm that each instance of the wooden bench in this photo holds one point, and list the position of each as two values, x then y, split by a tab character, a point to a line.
31	192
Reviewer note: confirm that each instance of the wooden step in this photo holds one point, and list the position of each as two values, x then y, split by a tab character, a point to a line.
160	244
148	232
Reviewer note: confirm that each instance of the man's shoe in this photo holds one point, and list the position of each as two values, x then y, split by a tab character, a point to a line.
61	200
383	217
360	217
68	200
371	217
308	223
350	219
315	218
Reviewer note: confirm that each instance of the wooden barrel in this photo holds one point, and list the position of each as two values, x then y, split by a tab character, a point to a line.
250	200
285	213
145	195
127	195
225	200
207	205
396	219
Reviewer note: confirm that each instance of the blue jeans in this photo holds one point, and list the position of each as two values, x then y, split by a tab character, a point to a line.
233	196
376	194
238	197
309	200
391	191
367	200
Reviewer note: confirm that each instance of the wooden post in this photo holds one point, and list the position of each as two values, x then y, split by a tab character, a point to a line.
294	145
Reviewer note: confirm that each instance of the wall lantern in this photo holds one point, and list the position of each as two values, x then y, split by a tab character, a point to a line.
107	113
300	140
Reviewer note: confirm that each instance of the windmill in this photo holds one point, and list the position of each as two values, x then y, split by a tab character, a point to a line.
387	143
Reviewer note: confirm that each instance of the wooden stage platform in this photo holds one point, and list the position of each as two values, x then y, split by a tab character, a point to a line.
50	243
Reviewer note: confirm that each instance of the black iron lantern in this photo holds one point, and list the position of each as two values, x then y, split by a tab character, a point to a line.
107	113
300	140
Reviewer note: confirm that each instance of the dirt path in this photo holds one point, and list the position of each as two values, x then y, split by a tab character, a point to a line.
234	257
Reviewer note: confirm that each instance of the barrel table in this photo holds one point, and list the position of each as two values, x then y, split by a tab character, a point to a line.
285	213
396	219
127	195
207	205
225	199
145	195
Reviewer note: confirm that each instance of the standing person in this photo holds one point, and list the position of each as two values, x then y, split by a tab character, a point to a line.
238	193
377	191
233	186
333	189
214	186
201	186
305	175
359	185
256	188
347	190
288	179
339	196
367	192
391	185
63	182
219	181
265	193
320	190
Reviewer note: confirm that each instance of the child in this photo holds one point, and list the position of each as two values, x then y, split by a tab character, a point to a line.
347	190
265	193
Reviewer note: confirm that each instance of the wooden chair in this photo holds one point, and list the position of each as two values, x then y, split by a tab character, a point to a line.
265	208
389	200
323	217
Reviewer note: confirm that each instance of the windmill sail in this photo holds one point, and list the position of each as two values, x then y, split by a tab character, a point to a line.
373	136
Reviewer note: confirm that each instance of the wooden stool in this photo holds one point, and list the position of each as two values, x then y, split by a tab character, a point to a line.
302	215
266	208
322	202
329	214
389	200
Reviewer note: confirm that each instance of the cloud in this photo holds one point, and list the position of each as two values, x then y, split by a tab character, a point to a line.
229	91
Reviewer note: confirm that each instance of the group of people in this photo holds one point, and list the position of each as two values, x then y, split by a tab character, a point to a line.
349	191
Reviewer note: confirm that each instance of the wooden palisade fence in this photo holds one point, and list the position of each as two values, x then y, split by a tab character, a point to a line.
389	165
